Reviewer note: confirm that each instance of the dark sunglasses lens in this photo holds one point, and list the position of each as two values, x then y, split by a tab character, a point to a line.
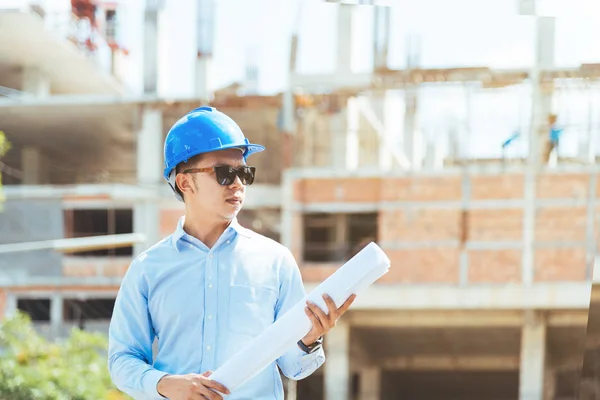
247	175
226	175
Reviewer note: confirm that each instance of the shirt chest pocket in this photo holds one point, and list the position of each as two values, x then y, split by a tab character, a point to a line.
251	309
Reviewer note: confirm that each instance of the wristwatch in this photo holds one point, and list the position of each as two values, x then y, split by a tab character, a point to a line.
311	348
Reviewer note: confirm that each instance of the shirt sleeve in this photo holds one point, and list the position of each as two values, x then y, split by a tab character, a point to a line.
295	363
130	339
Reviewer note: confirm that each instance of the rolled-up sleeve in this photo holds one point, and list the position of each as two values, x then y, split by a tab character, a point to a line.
130	339
295	363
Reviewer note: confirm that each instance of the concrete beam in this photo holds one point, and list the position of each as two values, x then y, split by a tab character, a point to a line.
58	283
451	363
76	244
542	296
480	170
457	318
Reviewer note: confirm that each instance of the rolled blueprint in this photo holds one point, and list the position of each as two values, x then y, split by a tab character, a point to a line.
354	276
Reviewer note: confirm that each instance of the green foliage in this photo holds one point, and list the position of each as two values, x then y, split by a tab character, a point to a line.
4	144
4	148
33	368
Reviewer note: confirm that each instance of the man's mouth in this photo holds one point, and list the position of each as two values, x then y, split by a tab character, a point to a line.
234	200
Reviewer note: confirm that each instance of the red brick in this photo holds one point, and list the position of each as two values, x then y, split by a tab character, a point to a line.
563	186
79	266
497	187
446	188
492	225
169	217
560	264
362	190
115	267
427	265
494	266
419	225
318	272
558	224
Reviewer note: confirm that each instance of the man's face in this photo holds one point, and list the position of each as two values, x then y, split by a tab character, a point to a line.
207	195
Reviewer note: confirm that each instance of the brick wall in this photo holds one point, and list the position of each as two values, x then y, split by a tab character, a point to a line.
427	225
111	267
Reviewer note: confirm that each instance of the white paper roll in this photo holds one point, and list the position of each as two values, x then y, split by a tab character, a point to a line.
362	270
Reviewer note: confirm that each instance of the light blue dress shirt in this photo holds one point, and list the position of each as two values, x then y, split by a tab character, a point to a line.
204	305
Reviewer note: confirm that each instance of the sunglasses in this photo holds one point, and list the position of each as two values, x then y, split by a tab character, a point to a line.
226	174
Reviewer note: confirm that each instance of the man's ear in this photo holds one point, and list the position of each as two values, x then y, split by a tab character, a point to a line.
184	183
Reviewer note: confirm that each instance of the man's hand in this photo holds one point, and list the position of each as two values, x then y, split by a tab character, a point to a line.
190	387
321	322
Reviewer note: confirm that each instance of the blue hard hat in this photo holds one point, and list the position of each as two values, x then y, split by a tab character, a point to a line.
201	131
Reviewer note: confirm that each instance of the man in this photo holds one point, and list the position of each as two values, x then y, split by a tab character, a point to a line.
210	287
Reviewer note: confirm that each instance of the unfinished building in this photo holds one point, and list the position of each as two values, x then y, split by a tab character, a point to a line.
492	258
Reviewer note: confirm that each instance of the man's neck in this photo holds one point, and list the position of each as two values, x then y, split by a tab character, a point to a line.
208	232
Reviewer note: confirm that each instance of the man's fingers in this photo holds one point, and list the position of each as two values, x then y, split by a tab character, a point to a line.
344	307
216	385
316	322
332	315
318	312
206	374
209	394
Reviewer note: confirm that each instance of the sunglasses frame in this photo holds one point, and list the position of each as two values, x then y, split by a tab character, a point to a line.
229	171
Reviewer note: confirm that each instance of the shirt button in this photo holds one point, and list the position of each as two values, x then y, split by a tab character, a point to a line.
210	286
210	317
211	256
229	241
209	278
208	348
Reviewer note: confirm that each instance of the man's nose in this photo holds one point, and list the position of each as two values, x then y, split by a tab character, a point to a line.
237	182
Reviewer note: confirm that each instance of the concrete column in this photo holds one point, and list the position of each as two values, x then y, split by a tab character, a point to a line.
205	43
344	39
150	147
292	389
380	104
381	36
411	142
146	217
337	366
151	47
370	384
538	137
31	165
533	357
56	314
352	134
338	122
203	77
10	306
35	82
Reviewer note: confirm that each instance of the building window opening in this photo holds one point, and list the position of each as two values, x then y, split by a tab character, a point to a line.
337	237
81	311
37	309
84	223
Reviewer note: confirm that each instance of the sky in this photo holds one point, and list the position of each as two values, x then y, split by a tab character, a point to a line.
451	34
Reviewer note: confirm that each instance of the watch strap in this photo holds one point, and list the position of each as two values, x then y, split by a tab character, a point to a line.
311	348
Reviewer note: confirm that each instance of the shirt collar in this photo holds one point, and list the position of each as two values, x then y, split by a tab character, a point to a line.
234	227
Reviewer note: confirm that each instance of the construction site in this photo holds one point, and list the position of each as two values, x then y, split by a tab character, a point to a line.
493	242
